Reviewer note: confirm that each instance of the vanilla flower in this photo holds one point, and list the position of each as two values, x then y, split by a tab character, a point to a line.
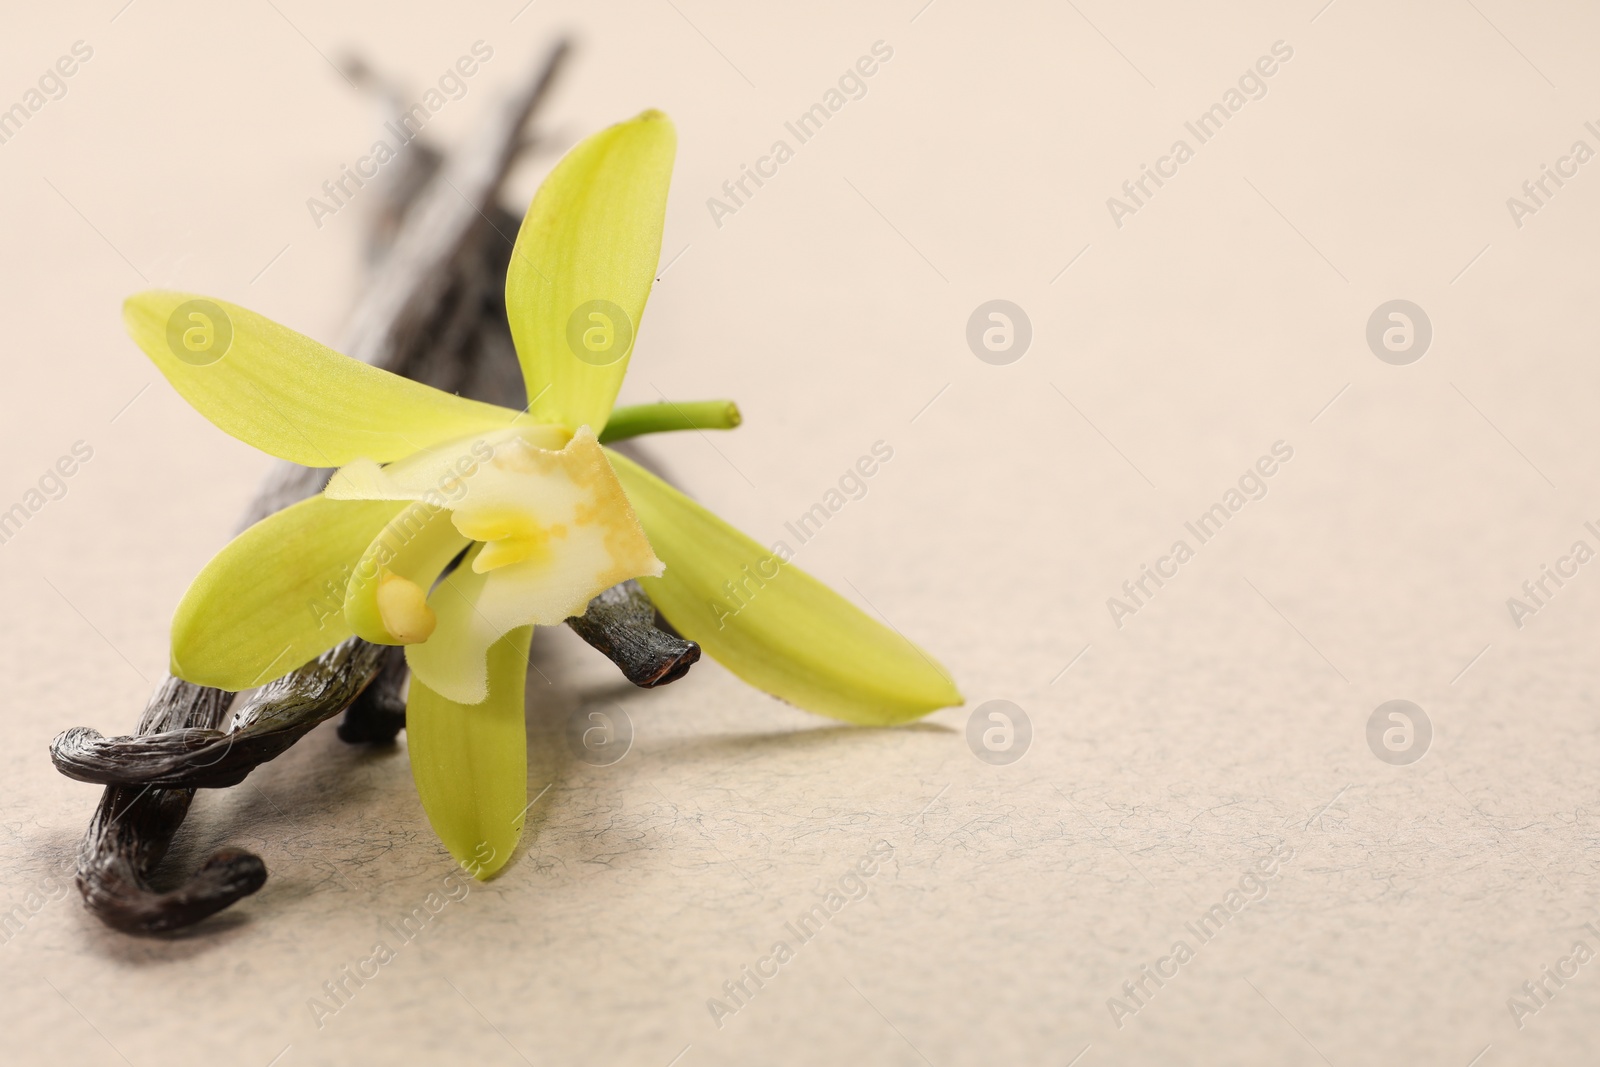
540	515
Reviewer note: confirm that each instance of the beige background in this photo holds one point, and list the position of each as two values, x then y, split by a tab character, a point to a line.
1218	723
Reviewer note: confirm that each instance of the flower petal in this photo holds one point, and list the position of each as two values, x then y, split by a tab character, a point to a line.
558	530
409	553
582	268
471	763
453	661
784	631
272	599
438	474
286	394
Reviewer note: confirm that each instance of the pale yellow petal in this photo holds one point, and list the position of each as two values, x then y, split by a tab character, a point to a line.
773	624
440	474
583	264
271	600
453	662
288	395
470	763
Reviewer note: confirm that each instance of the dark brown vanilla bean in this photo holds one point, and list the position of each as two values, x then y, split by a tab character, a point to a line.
621	622
378	714
133	826
272	720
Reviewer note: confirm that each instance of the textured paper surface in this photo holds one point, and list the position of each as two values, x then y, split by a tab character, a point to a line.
1223	721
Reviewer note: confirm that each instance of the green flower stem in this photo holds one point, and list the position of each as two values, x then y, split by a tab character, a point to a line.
658	418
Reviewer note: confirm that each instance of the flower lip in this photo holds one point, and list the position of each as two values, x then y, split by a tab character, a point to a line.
510	535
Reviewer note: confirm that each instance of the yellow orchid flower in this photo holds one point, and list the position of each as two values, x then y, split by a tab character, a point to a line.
546	516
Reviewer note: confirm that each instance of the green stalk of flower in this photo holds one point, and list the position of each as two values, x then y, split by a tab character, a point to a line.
669	415
545	516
